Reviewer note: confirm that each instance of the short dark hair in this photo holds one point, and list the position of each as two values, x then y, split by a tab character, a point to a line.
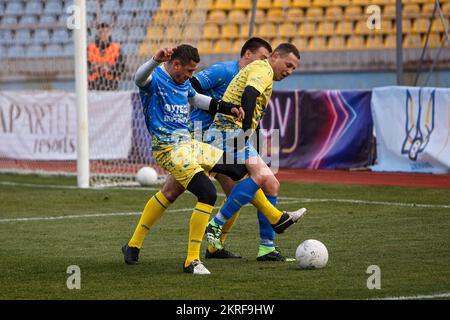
254	44
185	53
286	48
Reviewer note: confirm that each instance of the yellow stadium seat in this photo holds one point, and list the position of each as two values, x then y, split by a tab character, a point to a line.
260	16
281	3
389	10
307	28
179	17
243	4
325	28
198	16
155	32
406	26
374	42
361	28
301	3
230	31
293	14
321	3
380	2
421	25
160	18
300	42
317	44
166	5
191	31
434	41
237	16
342	3
437	25
264	4
334	12
344	27
173	33
267	30
446	8
237	45
314	12
244	30
223	46
355	42
275	15
205	47
211	31
204	4
278	40
411	9
217	16
417	1
223	4
412	41
336	43
353	11
390	42
287	29
427	8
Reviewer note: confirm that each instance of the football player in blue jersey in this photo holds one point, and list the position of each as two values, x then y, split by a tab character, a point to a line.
213	81
165	94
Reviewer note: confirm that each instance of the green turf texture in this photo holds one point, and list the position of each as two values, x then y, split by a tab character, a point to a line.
410	244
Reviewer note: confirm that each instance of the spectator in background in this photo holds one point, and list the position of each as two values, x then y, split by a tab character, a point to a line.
105	61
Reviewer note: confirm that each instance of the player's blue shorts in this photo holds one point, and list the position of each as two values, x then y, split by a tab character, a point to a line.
225	140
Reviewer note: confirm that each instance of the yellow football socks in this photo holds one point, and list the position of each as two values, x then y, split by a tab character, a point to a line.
267	209
154	209
197	226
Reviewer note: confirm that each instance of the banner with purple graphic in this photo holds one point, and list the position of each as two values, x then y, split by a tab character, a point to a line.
321	129
412	129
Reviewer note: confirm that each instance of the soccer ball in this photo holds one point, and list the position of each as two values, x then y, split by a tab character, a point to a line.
147	176
311	254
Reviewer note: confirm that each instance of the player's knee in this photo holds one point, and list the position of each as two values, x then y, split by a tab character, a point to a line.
202	187
172	194
259	179
271	186
208	196
172	189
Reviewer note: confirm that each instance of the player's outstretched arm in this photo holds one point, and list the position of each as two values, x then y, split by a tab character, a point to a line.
143	74
213	105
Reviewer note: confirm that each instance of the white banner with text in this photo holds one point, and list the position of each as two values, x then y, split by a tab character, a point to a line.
42	125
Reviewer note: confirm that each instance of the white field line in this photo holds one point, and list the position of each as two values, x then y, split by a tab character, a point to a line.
97	215
305	200
418	297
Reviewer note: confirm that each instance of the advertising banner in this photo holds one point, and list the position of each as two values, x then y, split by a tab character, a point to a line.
42	125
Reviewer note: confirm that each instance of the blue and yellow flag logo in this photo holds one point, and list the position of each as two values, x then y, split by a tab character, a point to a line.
419	123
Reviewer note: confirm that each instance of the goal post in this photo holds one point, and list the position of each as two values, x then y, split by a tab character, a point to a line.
81	91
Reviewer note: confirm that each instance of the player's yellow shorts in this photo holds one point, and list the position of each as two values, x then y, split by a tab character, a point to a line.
185	160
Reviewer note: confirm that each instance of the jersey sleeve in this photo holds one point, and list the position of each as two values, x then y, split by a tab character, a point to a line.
191	90
259	77
212	76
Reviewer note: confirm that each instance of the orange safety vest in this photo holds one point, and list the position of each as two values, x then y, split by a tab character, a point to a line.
110	56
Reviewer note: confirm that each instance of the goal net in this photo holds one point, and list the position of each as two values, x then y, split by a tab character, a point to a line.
140	28
38	39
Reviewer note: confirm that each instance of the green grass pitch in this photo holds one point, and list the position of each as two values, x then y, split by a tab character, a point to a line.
46	225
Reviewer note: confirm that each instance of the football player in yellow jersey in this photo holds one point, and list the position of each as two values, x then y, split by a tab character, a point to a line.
252	89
